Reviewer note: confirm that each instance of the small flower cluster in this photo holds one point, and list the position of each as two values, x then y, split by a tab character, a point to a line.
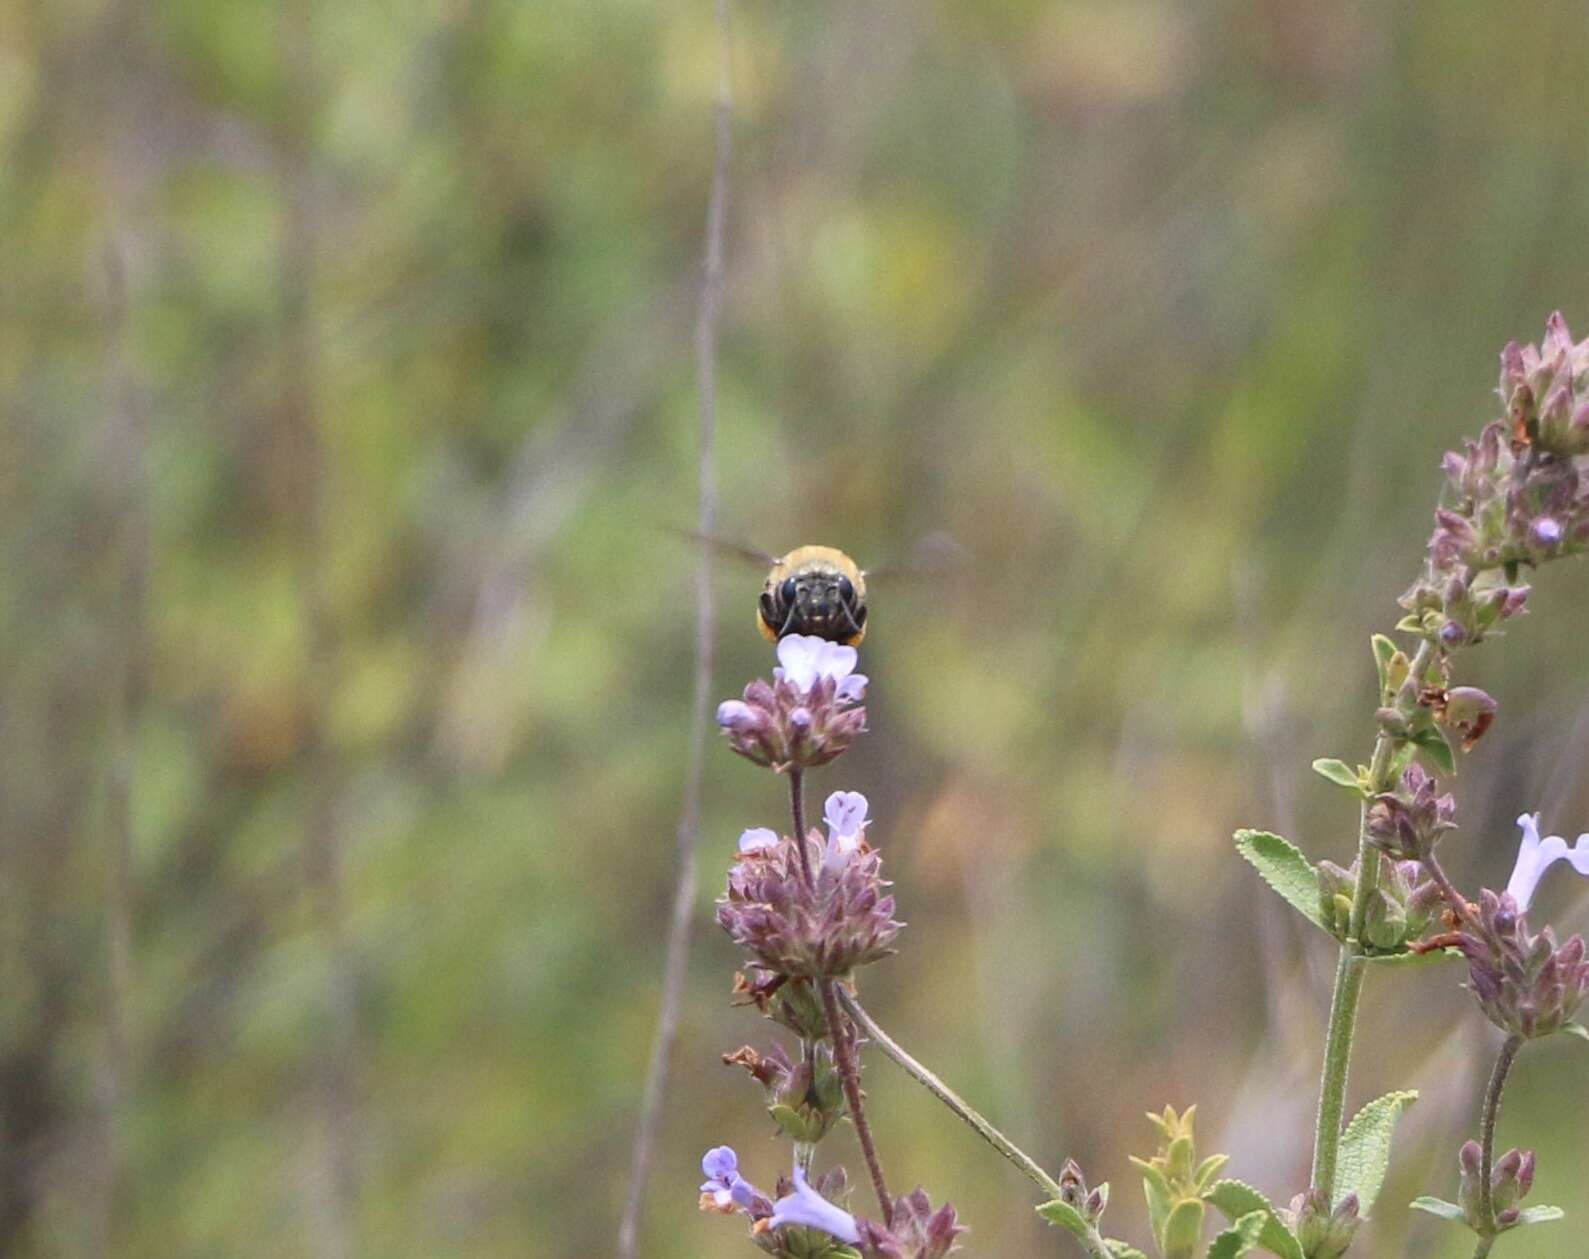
1510	1180
1407	823
809	910
807	715
1526	984
1404	905
1518	495
794	924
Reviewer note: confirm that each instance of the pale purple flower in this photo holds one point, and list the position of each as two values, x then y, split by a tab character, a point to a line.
734	714
1536	855
757	838
845	814
804	1205
805	658
724	1188
1546	532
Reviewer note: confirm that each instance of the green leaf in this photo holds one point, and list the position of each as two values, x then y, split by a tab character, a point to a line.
1384	653
1284	868
1066	1216
1410	624
1210	1167
1239	1238
1434	742
1400	759
1541	1215
1123	1250
1183	1230
1439	1206
1157	1191
1236	1199
1338	772
1365	1149
1406	961
1576	1029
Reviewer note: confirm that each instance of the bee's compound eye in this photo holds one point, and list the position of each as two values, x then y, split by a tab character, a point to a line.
846	589
787	590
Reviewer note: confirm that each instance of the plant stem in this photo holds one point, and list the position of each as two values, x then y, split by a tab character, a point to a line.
850	1074
1454	898
1492	1108
1349	969
676	966
948	1096
797	806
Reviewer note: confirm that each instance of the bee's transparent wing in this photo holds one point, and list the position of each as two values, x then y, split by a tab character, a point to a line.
727	546
936	554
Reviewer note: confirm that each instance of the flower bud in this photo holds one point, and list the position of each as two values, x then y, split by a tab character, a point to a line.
1336	887
918	1232
1323	1233
1073	1191
1408	822
1469	711
805	1099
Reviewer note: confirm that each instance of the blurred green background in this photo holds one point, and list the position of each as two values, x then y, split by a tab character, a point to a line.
347	390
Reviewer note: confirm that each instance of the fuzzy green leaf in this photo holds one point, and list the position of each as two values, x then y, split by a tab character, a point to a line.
1541	1215
1338	772
1237	1199
1284	868
1365	1149
1210	1167
1183	1230
1441	755
1576	1029
1439	1206
1123	1250
1158	1193
1238	1239
1384	652
1066	1216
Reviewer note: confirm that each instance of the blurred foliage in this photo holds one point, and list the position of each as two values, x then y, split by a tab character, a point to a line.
345	361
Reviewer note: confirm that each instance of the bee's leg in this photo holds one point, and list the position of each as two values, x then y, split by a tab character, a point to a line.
855	616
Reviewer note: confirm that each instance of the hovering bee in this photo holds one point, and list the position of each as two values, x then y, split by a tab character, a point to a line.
817	590
821	591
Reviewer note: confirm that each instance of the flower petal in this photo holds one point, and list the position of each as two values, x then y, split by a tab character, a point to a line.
754	840
800	655
852	688
1536	855
845	813
837	661
719	1161
806	1206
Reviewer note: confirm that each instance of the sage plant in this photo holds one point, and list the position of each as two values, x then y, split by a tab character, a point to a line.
810	909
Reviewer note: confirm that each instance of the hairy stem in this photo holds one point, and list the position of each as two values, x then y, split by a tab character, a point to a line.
850	1074
797	806
1492	1108
972	1117
678	947
1349	969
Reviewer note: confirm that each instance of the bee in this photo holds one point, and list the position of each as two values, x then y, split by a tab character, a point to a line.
821	591
816	590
